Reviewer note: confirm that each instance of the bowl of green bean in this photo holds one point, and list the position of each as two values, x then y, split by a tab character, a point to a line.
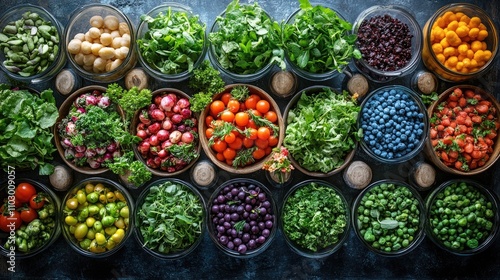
462	217
389	218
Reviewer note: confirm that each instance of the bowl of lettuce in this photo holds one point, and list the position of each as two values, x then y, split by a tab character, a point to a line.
321	132
26	119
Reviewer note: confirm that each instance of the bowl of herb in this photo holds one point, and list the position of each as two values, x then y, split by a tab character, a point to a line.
462	217
171	42
388	217
317	41
315	219
176	226
244	42
321	131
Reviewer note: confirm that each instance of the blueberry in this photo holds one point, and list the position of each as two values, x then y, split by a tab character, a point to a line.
379	135
383	154
392	92
420	115
372	142
377	152
420	131
386	94
390	155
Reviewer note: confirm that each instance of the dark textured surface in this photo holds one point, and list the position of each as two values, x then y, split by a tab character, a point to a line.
278	261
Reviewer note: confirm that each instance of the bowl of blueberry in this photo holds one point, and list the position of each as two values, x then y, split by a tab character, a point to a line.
394	124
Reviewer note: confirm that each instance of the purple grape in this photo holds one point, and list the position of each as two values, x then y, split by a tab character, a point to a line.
215	220
215	209
240	209
248	207
266	232
253	216
261	239
227	217
269	224
246	227
266	204
246	215
221	199
226	189
237	241
241	195
221	229
261	225
220	215
223	240
262	211
234	192
230	245
242	249
235	217
253	223
255	229
245	238
251	186
251	244
268	217
262	197
226	225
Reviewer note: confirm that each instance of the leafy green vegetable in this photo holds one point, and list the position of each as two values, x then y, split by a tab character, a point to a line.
246	39
322	129
206	81
314	217
129	100
171	218
318	40
185	152
138	173
174	41
427	99
25	122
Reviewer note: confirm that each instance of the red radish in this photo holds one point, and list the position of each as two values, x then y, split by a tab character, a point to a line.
144	118
142	134
158	115
177	118
167	103
154	128
144	147
167	124
175	136
162	135
183	103
162	153
187	137
153	140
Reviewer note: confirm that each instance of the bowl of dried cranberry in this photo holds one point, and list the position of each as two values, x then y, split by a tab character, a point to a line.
390	41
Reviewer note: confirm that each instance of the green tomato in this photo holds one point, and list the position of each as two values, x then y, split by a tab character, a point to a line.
85	244
97	226
108	221
80	196
124	212
93	210
81	231
93	197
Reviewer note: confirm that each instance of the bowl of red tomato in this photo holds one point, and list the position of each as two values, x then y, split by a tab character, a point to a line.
240	127
28	217
464	124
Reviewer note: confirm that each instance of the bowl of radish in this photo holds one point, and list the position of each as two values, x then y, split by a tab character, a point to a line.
168	130
87	130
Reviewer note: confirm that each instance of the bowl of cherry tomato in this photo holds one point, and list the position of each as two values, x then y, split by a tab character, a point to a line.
28	218
464	124
240	127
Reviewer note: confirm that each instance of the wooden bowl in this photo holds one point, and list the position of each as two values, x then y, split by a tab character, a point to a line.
202	126
349	156
63	112
429	150
133	131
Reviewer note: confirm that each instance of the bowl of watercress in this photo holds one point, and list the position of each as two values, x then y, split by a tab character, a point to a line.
388	217
244	42
176	226
171	52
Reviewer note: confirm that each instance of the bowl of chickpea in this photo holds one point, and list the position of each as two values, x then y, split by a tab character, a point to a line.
99	43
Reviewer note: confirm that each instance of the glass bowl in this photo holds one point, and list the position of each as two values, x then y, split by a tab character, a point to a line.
391	133
381	218
242	218
42	54
307	103
193	53
299	48
330	211
48	215
456	65
230	63
410	48
453	212
100	43
96	219
177	202
468	165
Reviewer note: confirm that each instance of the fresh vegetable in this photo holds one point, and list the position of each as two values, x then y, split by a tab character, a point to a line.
321	129
245	39
393	123
315	217
240	132
171	217
388	217
30	44
318	39
205	81
24	192
463	129
173	42
428	99
242	216
129	100
461	216
96	216
25	122
134	172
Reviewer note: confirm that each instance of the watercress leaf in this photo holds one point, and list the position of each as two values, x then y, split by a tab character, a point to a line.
375	213
389	224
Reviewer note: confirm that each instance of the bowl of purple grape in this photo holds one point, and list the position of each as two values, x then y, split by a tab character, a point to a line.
390	41
242	217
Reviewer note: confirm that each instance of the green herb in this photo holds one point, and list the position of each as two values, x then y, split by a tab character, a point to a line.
246	39
25	135
185	152
138	172
427	99
174	41
239	225
244	157
314	217
318	40
322	129
240	93
261	121
171	218
206	81
129	100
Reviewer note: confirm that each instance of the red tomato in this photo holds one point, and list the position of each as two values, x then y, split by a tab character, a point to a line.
24	192
37	201
12	218
28	214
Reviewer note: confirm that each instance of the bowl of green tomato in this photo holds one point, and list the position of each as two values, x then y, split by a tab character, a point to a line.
388	217
96	217
462	217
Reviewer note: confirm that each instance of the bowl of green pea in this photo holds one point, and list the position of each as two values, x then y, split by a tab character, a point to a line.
389	218
462	217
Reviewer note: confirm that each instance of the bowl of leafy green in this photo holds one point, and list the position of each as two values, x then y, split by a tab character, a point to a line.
321	132
245	42
176	226
317	41
171	42
315	219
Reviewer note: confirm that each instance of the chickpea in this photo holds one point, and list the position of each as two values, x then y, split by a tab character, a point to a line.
121	53
123	28
117	42
115	33
125	42
80	36
79	58
108	65
86	47
88	59
99	64
96	21
94	32
107	53
88	67
96	47
115	64
74	46
106	39
87	37
111	22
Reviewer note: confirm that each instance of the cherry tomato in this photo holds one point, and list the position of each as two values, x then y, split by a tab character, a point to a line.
271	116
216	107
37	201
251	101
219	146
28	214
241	118
12	218
262	106
227	116
226	97
233	105
263	133
229	153
24	192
